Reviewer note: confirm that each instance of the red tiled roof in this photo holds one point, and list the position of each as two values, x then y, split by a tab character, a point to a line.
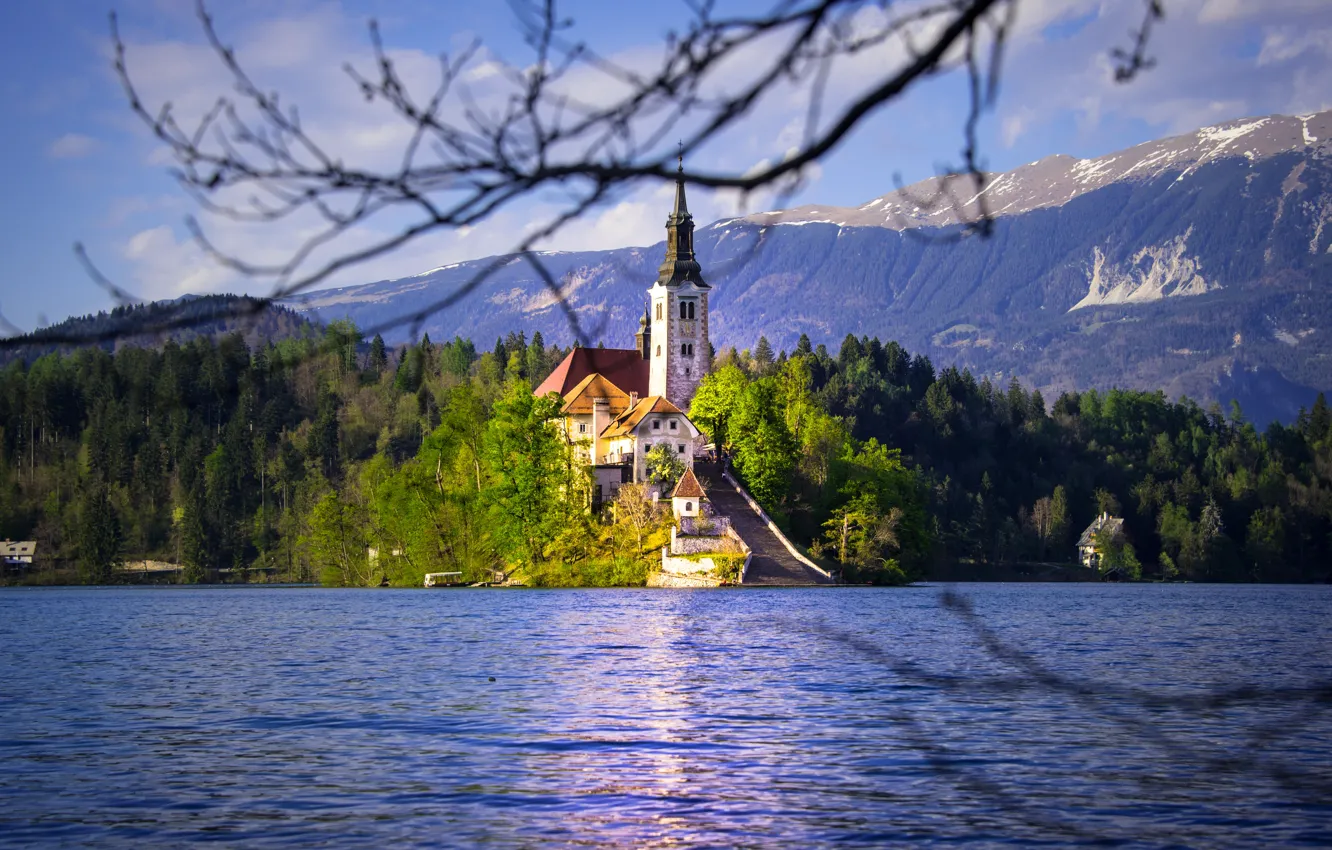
623	367
688	488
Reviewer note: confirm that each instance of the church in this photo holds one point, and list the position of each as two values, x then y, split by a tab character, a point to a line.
619	403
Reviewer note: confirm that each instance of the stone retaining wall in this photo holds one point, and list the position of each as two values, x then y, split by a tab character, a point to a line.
685	566
656	579
727	543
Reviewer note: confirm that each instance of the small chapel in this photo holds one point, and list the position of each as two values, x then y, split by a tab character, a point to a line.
620	403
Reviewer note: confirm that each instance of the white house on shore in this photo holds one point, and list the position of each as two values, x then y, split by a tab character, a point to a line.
1087	553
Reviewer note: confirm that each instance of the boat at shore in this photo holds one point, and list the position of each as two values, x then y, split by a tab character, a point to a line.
451	579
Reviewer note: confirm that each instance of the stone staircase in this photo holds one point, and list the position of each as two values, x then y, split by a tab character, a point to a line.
772	563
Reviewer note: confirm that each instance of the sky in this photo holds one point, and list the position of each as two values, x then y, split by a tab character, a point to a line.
78	167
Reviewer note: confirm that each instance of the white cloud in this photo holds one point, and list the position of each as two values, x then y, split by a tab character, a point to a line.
1225	11
123	210
1206	68
1013	126
168	267
1286	43
71	146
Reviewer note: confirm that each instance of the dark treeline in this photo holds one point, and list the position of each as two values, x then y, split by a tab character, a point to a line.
1002	477
152	324
329	458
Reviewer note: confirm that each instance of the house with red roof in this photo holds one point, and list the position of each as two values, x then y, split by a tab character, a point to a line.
619	403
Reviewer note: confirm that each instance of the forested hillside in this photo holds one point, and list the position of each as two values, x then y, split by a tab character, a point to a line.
297	458
153	323
1003	477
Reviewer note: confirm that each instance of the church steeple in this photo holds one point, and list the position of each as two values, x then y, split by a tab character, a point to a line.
678	333
681	211
680	264
643	339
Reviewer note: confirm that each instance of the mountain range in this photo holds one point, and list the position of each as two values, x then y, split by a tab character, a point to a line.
1197	264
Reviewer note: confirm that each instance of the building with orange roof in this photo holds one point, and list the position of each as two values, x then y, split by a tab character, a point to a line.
620	403
613	431
688	497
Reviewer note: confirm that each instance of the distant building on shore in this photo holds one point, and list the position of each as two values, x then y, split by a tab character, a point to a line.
17	554
1087	553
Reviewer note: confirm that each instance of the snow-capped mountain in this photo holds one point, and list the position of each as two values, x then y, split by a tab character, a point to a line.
1192	264
1056	180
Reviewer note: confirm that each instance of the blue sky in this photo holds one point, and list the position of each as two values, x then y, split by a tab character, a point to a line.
78	167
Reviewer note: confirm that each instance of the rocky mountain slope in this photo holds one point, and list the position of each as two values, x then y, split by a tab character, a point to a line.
1196	264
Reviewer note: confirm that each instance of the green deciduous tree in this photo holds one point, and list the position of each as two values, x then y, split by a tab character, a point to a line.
1117	556
866	539
765	451
664	467
337	543
715	401
528	479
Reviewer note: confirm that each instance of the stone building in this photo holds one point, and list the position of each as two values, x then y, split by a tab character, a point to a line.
678	309
1087	554
619	403
688	497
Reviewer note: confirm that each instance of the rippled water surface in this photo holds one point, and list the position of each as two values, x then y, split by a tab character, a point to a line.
1060	714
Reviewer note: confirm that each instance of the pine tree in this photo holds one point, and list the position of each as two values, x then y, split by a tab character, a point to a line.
849	353
536	359
1320	421
324	436
99	537
193	545
378	355
763	356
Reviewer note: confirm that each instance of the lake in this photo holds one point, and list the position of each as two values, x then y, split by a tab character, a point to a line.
1041	714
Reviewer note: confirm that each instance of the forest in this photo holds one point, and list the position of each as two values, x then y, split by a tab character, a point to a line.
325	457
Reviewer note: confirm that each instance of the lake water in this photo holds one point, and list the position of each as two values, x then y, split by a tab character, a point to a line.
1055	715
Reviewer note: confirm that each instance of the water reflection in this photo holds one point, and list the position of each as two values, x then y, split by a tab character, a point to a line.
659	718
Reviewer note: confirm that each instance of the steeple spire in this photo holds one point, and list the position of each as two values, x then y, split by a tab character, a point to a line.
681	208
643	339
680	264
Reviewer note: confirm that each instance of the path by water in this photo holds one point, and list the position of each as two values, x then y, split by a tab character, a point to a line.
772	564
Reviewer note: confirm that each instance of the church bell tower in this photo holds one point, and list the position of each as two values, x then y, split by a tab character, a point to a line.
678	305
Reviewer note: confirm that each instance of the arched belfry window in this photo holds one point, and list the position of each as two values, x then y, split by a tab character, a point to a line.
684	310
659	351
691	309
659	311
